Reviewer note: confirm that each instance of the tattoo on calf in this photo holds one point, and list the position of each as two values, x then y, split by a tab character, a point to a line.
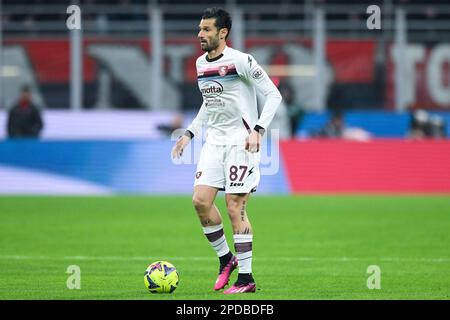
245	231
243	211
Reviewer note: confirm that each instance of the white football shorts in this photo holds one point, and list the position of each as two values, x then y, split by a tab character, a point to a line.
229	168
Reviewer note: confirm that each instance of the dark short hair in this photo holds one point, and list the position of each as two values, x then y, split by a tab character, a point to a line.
223	19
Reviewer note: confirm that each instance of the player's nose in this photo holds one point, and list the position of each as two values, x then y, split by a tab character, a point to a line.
200	35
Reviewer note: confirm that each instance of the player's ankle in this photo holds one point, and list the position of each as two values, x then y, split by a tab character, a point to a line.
244	278
225	259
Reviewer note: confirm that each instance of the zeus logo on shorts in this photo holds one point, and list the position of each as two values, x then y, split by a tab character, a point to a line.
198	174
236	184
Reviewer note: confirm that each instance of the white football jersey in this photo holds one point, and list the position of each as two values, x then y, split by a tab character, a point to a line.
228	84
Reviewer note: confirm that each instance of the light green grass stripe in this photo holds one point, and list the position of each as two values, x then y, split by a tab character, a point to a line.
204	258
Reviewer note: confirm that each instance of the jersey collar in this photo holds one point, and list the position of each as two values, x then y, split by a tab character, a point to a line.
216	58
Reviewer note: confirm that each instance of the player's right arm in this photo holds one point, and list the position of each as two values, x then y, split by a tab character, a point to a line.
192	130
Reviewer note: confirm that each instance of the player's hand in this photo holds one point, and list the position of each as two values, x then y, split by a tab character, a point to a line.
253	142
178	148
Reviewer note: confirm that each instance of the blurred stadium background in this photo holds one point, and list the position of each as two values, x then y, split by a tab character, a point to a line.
363	140
111	93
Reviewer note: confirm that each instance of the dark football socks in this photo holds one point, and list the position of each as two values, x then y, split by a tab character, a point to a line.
225	259
244	278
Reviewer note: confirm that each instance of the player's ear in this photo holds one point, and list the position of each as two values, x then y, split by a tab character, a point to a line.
223	33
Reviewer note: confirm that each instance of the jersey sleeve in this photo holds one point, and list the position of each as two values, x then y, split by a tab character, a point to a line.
198	122
256	75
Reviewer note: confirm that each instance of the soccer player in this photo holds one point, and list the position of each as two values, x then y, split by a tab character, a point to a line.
229	161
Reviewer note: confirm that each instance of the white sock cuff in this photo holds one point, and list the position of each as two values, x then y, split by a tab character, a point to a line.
240	238
211	229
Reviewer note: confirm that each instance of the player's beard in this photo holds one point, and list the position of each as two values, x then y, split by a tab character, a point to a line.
212	45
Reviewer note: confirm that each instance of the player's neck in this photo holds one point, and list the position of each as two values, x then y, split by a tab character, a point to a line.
217	52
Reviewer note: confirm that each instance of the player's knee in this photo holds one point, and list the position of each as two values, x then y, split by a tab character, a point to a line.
200	203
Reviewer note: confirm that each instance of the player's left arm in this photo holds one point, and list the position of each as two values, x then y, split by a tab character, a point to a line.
272	99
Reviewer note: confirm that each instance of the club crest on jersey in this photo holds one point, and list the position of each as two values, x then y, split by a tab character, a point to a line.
223	70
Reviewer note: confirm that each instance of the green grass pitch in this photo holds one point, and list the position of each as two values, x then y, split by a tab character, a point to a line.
305	247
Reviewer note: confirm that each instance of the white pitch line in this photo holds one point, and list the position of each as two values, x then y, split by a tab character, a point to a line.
203	258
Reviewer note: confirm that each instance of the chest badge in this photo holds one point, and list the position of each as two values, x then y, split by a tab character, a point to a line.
223	70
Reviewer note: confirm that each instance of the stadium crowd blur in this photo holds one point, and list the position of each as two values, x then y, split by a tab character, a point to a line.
129	13
423	124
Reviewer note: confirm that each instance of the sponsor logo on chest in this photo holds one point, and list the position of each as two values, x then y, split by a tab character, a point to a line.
211	89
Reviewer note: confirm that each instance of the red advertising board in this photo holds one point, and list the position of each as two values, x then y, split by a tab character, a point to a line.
382	166
427	78
349	62
352	60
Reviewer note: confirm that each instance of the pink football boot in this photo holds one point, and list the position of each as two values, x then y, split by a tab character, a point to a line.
249	287
224	275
